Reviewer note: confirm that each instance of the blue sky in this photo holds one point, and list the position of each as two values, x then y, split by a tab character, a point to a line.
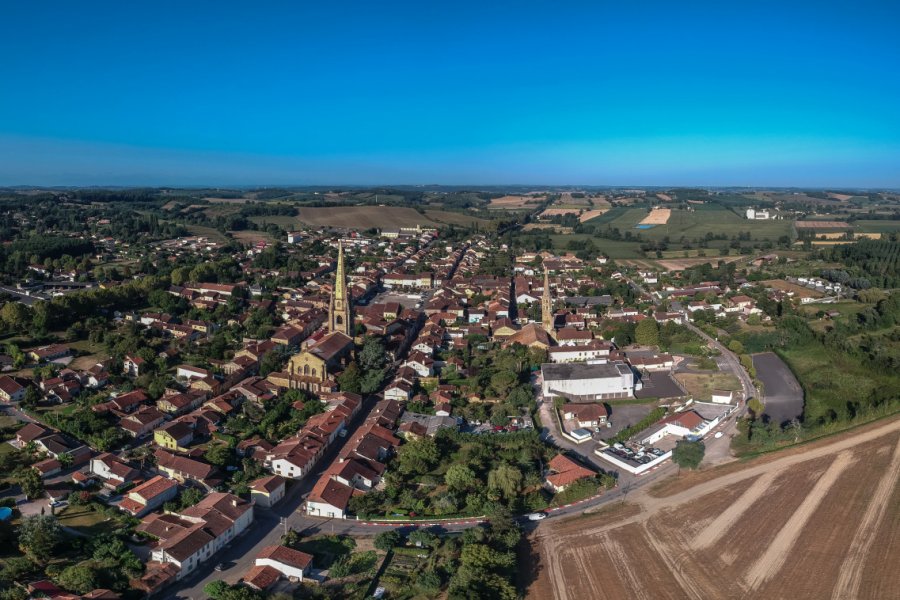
593	93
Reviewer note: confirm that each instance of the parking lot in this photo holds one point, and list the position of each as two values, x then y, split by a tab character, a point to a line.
622	416
783	395
405	300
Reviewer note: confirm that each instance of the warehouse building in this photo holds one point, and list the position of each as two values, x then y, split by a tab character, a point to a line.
583	382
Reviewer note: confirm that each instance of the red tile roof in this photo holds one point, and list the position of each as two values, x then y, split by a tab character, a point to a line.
287	556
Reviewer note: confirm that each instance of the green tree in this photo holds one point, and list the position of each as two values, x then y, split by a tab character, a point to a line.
688	454
483	557
65	460
423	538
350	380
215	589
756	407
218	455
506	479
736	346
502	382
460	477
418	457
646	333
387	540
31	483
15	315
39	535
190	497
79	579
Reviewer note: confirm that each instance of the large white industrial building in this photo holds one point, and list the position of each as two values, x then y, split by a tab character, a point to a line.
582	382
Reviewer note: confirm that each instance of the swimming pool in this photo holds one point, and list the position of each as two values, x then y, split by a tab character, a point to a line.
5	513
644	226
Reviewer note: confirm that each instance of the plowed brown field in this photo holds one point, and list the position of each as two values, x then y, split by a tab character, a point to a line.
821	521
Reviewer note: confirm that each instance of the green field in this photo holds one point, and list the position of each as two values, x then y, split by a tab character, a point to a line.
455	218
207	232
694	224
612	248
831	380
877	226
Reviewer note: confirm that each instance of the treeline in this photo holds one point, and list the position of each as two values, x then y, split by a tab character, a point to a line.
876	260
51	247
62	311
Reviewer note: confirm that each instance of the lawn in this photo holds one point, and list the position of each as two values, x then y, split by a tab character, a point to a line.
700	386
84	520
207	232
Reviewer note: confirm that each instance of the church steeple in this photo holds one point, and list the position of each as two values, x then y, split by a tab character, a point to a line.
339	318
547	316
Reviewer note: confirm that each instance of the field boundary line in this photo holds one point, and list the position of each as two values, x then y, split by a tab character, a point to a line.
721	524
776	553
850	574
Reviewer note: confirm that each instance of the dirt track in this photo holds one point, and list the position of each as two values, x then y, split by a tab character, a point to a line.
737	535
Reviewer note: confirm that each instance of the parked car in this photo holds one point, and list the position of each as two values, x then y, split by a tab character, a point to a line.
537	516
718	435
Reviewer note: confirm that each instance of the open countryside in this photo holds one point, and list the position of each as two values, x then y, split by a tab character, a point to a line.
753	530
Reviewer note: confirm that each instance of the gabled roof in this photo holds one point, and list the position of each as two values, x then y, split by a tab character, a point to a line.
287	556
329	491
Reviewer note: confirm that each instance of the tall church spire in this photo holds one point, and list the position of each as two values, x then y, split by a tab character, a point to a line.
547	317
339	318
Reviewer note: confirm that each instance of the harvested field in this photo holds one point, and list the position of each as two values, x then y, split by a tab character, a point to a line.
822	225
664	197
546	226
657	216
557	212
841	197
515	202
362	217
816	521
591	214
836	235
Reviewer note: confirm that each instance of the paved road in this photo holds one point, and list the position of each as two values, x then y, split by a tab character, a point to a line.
731	360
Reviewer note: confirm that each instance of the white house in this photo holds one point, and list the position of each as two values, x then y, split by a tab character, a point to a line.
682	424
722	396
267	491
287	561
10	389
194	536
